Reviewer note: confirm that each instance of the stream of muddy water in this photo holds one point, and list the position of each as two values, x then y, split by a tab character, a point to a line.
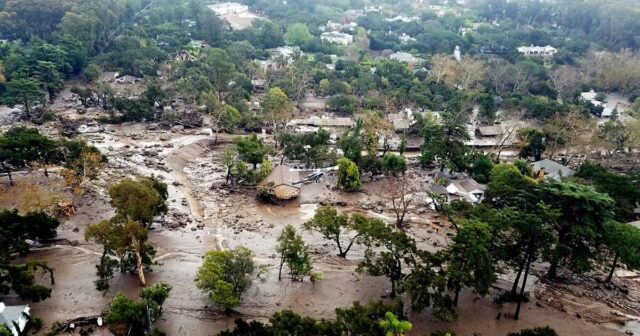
202	218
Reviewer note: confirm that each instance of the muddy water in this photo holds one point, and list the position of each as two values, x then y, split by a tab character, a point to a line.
238	219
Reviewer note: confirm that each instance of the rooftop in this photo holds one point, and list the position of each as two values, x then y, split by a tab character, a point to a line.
404	57
10	314
490	130
280	175
467	185
324	121
552	169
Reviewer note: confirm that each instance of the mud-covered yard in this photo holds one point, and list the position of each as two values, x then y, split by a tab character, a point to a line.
204	215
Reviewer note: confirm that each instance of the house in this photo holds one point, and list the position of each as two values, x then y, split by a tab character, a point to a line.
15	318
406	38
589	95
281	183
439	10
353	14
404	57
336	26
439	189
127	79
489	131
536	51
196	45
404	19
467	189
286	52
463	31
109	77
324	122
547	168
280	56
336	38
607	110
402	121
183	55
228	8
258	85
266	64
493	49
189	23
368	9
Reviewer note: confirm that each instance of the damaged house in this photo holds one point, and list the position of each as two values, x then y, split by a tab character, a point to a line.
282	183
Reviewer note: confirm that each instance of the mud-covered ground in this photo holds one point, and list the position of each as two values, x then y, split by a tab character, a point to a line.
204	216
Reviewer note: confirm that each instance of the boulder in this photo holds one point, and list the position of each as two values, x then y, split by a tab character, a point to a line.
177	128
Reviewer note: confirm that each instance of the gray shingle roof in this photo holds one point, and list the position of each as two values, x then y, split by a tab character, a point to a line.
490	130
10	314
552	169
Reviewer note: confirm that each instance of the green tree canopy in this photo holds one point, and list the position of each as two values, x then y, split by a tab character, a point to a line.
227	275
470	261
534	143
294	252
343	103
251	149
126	316
334	226
623	242
277	109
15	231
298	35
394	163
139	200
348	175
620	187
394	327
579	227
25	92
398	250
124	243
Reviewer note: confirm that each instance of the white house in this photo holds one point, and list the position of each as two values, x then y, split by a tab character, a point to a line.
354	13
405	19
536	51
331	26
589	95
467	189
229	8
286	51
404	57
337	26
368	9
607	110
406	38
14	317
439	10
336	38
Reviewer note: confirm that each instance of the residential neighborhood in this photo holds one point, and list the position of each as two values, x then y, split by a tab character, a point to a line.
320	168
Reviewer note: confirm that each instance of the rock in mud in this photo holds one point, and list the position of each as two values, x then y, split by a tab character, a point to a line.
177	128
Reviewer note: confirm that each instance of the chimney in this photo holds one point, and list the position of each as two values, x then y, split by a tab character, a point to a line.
541	174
